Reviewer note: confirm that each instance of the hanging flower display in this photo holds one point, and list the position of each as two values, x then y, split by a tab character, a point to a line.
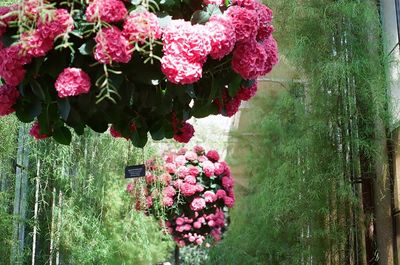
191	194
137	66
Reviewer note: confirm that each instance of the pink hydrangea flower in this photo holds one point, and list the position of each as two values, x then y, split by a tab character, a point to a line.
229	201
228	106
32	8
194	171
150	178
183	40
208	168
227	182
191	156
35	44
249	60
271	49
59	23
202	158
221	194
199	241
182	172
198	149
129	187
168	201
182	151
198	204
219	169
185	133
213	155
197	225
166	178
265	18
8	97
188	189
35	131
222	35
179	221
249	4
178	184
199	187
169	191
111	46
209	196
7	19
216	234
140	26
12	60
72	82
178	70
106	10
245	22
149	201
246	93
170	168
190	179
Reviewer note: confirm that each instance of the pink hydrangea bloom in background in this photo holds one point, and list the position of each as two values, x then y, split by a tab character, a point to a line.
150	178
179	70
199	187
35	131
208	168
129	187
149	201
221	194
72	82
197	225
170	168
178	184
190	155
213	155
229	201
190	179
219	169
12	60
222	36
111	46
8	97
60	23
210	196
194	171
169	191
166	178
198	204
188	189
106	10
182	172
168	201
245	22
229	106
32	8
249	60
246	93
182	151
198	149
227	182
179	221
185	133
140	26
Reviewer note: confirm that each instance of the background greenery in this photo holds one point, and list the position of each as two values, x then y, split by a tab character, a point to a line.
311	142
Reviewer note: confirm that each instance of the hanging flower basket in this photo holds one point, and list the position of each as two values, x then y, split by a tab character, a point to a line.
140	66
191	197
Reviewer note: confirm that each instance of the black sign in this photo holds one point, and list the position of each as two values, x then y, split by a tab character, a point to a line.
135	171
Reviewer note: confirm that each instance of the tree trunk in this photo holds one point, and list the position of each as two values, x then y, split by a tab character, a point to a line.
35	215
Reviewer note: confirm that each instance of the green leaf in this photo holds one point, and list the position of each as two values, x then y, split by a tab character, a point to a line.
190	91
158	133
64	108
200	17
27	111
62	135
37	89
202	111
234	86
139	138
87	47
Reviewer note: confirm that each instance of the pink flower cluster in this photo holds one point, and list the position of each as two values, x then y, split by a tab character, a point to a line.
72	82
200	185
106	10
35	131
183	131
256	51
112	46
186	47
140	26
8	97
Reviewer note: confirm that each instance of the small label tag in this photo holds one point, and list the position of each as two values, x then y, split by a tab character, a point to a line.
135	171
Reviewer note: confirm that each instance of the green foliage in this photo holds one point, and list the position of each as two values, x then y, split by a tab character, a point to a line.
312	141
